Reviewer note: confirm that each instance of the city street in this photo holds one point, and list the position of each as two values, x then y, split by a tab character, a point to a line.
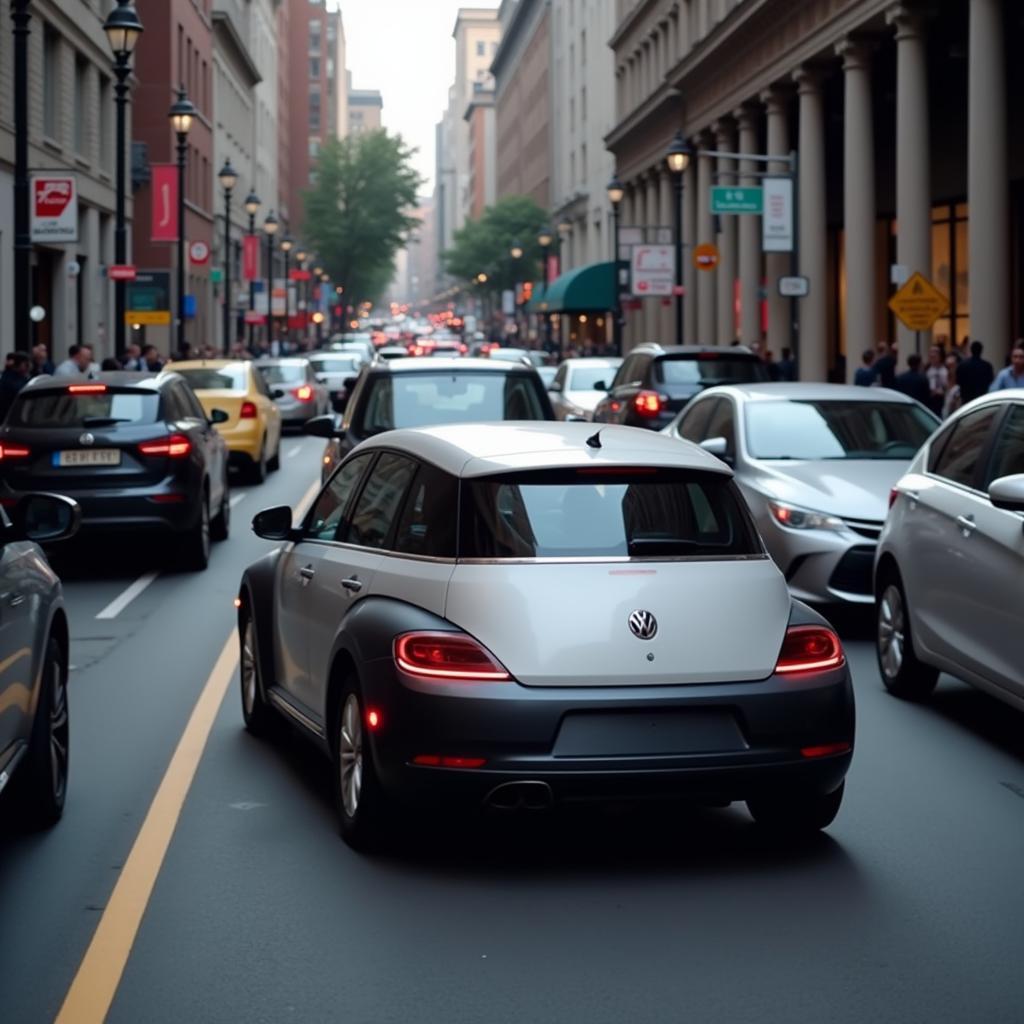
907	909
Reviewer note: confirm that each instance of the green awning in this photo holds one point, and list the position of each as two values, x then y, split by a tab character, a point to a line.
589	289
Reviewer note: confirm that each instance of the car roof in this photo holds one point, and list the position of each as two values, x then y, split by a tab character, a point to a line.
204	364
690	350
436	364
600	362
810	391
482	449
112	378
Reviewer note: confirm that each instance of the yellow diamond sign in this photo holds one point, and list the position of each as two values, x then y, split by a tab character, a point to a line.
918	304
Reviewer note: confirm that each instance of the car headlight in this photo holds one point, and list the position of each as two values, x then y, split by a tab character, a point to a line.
803	518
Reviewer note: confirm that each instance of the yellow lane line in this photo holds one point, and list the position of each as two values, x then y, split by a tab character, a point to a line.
95	984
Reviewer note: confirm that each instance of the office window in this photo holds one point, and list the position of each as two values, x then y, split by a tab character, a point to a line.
314	110
106	139
314	148
314	37
51	83
481	49
81	105
583	48
314	68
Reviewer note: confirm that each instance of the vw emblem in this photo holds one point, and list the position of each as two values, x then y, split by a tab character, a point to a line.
86	439
643	625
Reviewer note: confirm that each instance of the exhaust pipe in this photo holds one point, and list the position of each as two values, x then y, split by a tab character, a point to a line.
520	796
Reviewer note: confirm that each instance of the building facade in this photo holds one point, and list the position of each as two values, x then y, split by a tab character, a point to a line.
71	131
483	149
908	158
365	110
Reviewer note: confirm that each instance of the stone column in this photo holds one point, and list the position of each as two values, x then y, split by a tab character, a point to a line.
707	311
776	100
667	205
750	262
690	333
626	219
812	343
987	174
858	202
913	154
726	272
640	221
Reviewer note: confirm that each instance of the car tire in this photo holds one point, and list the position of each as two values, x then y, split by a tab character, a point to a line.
220	528
195	546
40	785
903	675
258	468
796	813
357	791
274	463
256	712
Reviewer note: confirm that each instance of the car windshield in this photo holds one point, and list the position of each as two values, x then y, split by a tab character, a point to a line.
335	365
595	513
425	399
283	373
65	409
583	378
836	429
709	368
225	378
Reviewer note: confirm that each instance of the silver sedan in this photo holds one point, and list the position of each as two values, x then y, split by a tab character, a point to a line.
816	463
303	397
580	384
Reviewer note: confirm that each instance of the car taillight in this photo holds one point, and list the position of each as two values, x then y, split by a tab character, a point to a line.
14	451
447	656
810	649
893	495
648	403
248	411
177	446
87	389
303	393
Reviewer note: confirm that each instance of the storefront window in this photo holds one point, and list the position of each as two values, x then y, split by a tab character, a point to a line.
950	271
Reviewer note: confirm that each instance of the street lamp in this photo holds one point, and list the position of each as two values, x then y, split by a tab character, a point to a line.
678	159
544	239
228	179
123	28
516	251
286	247
270	227
23	325
615	195
181	114
252	207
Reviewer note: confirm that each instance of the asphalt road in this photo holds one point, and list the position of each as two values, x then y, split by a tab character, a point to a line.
910	908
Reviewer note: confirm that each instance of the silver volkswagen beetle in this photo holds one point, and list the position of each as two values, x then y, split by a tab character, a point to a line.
519	614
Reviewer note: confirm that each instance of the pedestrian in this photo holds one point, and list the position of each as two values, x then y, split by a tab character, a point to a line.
952	401
133	358
1013	375
41	363
787	365
885	365
17	369
974	375
110	364
865	375
77	364
151	359
912	381
938	379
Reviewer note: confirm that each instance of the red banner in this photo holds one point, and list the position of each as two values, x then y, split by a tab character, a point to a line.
164	226
552	268
300	275
250	257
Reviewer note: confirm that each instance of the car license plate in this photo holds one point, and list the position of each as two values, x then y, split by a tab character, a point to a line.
88	457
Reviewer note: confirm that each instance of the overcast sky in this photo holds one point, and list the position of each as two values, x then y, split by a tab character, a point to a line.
405	49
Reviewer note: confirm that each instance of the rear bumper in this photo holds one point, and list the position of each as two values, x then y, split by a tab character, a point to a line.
294	412
243	439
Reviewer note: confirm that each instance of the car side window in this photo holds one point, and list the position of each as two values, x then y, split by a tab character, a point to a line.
379	502
696	419
561	377
427	525
625	374
171	410
521	401
260	383
957	460
193	408
329	511
723	424
1008	451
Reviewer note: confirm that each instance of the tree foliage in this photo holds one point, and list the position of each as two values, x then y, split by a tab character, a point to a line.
484	246
357	212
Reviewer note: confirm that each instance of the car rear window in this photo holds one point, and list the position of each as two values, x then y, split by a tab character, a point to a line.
710	368
84	409
336	365
605	513
283	373
227	378
399	400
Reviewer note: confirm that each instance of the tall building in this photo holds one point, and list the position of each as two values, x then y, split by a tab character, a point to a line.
482	187
71	132
365	110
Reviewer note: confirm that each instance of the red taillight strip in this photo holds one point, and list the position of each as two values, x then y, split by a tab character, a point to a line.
407	662
791	662
86	389
14	451
826	750
439	761
177	446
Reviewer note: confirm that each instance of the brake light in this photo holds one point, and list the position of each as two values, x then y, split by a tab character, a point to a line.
826	750
447	656
248	411
440	761
893	495
177	446
86	389
648	403
303	393
810	649
14	451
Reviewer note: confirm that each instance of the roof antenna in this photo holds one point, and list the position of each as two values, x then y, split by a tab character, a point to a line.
595	441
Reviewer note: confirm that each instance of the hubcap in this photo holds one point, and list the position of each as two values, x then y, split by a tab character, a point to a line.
891	631
248	669
58	733
350	755
204	528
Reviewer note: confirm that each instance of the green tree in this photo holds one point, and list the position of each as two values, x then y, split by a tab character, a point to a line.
357	212
484	246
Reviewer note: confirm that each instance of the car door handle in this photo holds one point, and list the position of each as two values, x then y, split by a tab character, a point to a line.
966	523
352	585
307	572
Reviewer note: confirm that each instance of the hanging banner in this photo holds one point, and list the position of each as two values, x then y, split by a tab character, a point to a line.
164	223
777	219
250	258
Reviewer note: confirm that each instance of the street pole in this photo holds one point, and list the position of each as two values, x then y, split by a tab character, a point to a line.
22	231
228	304
121	72
679	258
270	229
615	194
182	112
252	206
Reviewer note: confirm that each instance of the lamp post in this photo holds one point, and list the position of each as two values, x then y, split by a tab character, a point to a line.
123	28
516	252
615	194
270	226
252	207
181	114
678	159
23	325
228	178
544	239
300	293
287	244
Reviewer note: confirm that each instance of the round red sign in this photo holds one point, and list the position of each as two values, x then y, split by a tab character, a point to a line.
198	252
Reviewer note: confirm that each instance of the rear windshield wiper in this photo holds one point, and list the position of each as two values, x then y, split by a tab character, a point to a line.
103	421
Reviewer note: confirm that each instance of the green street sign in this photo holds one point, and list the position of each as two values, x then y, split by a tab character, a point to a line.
216	275
727	199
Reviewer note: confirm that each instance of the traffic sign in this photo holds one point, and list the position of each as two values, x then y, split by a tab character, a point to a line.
918	304
148	317
705	256
794	287
252	317
121	272
727	199
54	208
653	269
198	252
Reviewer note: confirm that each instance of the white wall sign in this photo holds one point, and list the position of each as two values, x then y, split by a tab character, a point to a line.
777	219
652	269
794	287
54	207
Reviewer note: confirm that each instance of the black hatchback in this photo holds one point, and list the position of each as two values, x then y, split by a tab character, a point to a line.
654	382
136	452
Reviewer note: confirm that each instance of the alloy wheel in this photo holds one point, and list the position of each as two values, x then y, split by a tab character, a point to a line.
350	755
248	669
59	732
204	527
891	631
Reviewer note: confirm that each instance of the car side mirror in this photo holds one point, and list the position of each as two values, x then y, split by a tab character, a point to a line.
1008	493
555	387
601	386
324	426
277	393
45	518
218	416
321	378
274	523
717	446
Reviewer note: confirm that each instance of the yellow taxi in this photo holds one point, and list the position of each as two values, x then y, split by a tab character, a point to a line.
253	428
